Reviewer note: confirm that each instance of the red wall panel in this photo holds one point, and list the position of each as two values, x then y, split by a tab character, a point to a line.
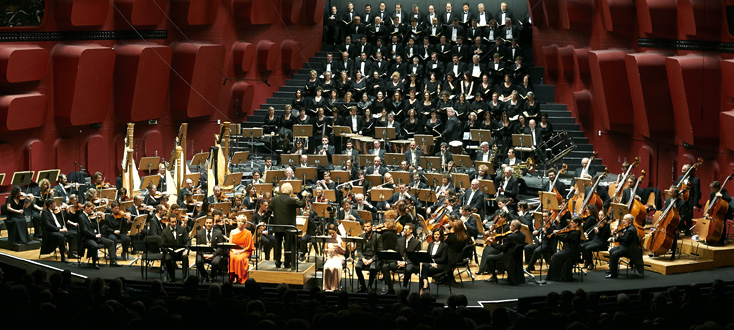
657	17
23	63
619	16
141	80
23	111
650	94
196	84
142	12
611	89
79	13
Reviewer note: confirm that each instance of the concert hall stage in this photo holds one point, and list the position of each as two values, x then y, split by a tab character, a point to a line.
267	273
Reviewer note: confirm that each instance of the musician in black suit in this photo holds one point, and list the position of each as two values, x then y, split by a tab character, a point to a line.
544	245
116	227
560	186
474	198
154	225
466	16
496	69
150	196
470	223
90	235
377	31
400	14
188	187
55	234
283	208
451	131
535	133
415	32
439	251
581	172
434	66
473	32
357	30
346	64
177	240
137	208
516	238
209	236
347	212
448	16
598	237
350	151
413	155
367	255
503	13
376	168
377	150
456	67
363	65
718	191
509	31
332	27
217	197
367	16
406	243
63	188
629	246
461	50
444	155
507	186
627	192
401	195
694	197
444	50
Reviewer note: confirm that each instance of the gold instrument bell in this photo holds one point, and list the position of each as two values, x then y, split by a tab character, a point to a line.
528	165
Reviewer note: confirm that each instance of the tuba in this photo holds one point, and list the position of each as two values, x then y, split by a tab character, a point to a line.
528	165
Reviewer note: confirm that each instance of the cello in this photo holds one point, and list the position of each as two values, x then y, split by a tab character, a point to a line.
592	198
637	209
716	210
660	238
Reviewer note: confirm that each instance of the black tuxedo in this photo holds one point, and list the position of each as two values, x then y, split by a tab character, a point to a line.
444	52
440	258
88	231
367	70
409	157
53	237
356	31
435	66
514	29
629	246
418	70
402	15
409	52
457	69
380	153
154	226
371	170
347	66
175	237
496	71
452	131
447	18
342	216
537	136
381	67
368	251
449	32
560	186
377	32
501	20
365	48
512	189
444	158
283	208
465	17
475	201
412	245
214	238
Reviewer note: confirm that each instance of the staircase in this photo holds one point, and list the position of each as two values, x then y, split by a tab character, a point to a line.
558	115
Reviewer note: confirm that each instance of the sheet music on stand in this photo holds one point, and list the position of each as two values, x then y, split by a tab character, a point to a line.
199	160
51	175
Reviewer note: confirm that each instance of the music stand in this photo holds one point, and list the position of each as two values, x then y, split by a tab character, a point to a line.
538	216
365	215
149	180
51	175
366	160
302	131
430	162
273	176
225	207
199	197
290	159
232	179
462	160
385	133
110	194
194	178
401	177
461	180
619	210
394	159
380	194
582	184
240	157
22	178
302	224
358	190
306	173
549	201
330	195
321	209
426	195
522	140
434	179
419	258
374	179
137	225
424	141
351	228
318	160
481	135
490	167
296	184
389	255
487	187
252	133
149	164
340	176
262	188
125	205
199	160
340	160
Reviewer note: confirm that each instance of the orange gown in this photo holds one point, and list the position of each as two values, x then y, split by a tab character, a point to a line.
239	262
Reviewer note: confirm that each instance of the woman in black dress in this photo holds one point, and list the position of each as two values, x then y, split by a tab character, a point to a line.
487	122
514	106
364	104
520	125
461	106
298	102
432	86
561	265
485	87
433	125
375	84
412	84
343	84
396	105
546	128
525	86
412	125
328	84
316	102
450	85
505	88
15	221
495	106
272	122
531	107
368	126
312	83
359	85
286	123
379	103
426	105
457	239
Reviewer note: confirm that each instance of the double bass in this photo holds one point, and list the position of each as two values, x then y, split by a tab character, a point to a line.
592	198
618	190
660	238
716	210
682	187
637	209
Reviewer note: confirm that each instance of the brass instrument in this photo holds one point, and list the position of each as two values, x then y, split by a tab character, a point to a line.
528	165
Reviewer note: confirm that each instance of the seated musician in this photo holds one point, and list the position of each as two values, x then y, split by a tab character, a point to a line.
154	222
473	197
405	167
377	151
524	214
55	234
438	250
90	234
627	192
289	174
138	208
318	196
405	243
209	236
470	223
504	251
117	225
311	227
367	255
361	204
561	264
63	188
351	151
508	186
500	226
327	183
560	186
376	167
152	197
402	194
417	182
445	187
589	217
239	258
325	148
444	155
629	246
188	188
193	207
250	198
348	213
484	155
304	161
335	248
71	213
545	244
98	181
218	197
718	192
268	166
237	203
387	181
598	237
413	155
261	218
361	181
162	175
257	177
177	239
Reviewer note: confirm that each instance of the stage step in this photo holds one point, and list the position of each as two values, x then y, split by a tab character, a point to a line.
665	266
267	273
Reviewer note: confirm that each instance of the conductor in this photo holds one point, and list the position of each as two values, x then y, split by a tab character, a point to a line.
283	208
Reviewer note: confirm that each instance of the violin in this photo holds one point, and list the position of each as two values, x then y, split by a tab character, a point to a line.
563	231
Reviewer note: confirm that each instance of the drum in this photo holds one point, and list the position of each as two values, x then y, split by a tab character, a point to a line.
456	147
557	147
399	145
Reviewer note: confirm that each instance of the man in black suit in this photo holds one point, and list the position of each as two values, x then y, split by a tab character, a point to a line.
512	52
474	198
444	50
377	150
376	167
332	27
348	213
466	15
399	14
430	16
503	13
483	16
444	155
413	155
507	186
425	50
456	67
509	31
406	243
559	185
410	50
414	31
434	31
629	246
351	152
581	172
448	16
150	198
137	208
367	16
283	207
454	31
377	31
516	238
357	30
694	196
399	66
209	236
484	154
217	197
415	14
176	239
397	30
452	131
383	14
153	223
394	48
476	70
496	69
116	227
325	148
349	15
188	187
381	66
462	50
63	188
91	237
544	246
401	195
416	69
55	234
478	48
435	66
363	65
346	64
534	132
367	255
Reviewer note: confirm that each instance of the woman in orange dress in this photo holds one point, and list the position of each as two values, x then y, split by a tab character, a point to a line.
239	258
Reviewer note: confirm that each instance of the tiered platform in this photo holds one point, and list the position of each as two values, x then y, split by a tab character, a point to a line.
267	273
19	247
695	256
